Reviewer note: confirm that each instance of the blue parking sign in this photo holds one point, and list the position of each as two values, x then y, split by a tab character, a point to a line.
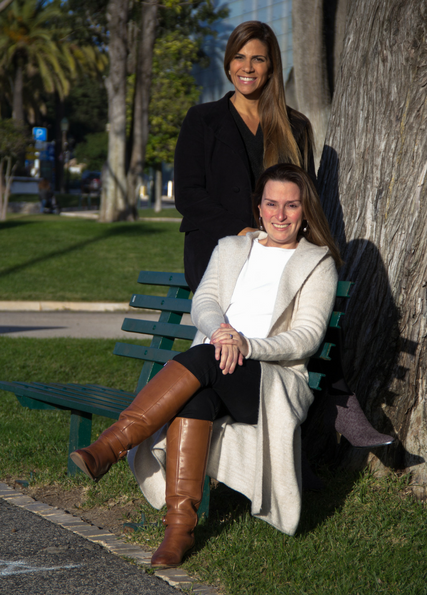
40	134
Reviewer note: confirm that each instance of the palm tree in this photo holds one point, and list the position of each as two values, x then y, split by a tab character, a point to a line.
36	50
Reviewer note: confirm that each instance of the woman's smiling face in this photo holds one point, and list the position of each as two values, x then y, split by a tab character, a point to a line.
249	69
281	213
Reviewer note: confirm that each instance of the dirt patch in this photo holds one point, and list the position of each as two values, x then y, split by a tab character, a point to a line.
110	517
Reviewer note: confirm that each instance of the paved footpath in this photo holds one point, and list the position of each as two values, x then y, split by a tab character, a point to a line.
65	323
46	551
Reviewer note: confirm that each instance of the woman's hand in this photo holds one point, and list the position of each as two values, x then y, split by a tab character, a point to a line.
230	348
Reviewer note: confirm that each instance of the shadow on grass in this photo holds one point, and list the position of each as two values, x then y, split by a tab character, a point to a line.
228	506
10	224
116	231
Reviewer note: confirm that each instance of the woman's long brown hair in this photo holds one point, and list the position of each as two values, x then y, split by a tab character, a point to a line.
318	231
279	142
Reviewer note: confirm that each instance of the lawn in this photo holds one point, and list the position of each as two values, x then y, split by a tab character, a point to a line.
360	536
56	258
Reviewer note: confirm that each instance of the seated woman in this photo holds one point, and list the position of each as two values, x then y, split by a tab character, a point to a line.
261	311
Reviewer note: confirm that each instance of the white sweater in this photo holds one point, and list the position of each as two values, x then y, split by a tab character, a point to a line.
254	296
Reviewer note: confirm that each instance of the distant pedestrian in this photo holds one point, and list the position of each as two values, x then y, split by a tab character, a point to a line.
46	197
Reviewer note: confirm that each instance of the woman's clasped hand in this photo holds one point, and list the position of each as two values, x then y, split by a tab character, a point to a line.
231	348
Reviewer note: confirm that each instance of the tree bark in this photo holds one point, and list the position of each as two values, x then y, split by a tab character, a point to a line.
141	100
5	185
318	28
114	199
158	188
373	183
18	95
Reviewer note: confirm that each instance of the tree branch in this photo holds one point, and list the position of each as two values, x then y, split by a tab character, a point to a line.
5	4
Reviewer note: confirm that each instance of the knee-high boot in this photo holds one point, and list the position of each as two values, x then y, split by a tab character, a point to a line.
156	404
187	450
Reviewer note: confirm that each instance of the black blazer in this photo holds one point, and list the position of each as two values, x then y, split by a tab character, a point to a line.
212	180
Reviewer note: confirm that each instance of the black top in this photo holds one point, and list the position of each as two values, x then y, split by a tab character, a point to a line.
254	144
213	179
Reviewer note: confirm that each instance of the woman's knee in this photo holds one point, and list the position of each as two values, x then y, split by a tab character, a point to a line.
199	360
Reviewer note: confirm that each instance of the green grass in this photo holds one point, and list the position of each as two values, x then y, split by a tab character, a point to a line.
52	360
72	200
56	258
360	536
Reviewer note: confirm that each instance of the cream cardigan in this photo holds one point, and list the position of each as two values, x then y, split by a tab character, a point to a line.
264	461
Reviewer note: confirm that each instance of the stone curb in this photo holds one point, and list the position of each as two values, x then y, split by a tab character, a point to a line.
176	577
46	306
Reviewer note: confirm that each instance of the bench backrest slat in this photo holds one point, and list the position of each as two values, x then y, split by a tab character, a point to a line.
162	279
159	329
324	351
147	354
314	379
344	288
152	302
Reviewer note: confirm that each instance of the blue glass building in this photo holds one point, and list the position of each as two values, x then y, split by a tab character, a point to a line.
276	13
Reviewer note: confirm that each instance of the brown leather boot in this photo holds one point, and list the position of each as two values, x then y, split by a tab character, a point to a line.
187	450
156	404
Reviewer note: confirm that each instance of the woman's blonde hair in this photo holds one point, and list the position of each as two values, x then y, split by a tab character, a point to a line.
317	228
279	142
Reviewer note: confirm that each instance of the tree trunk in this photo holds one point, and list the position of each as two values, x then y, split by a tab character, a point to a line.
2	184
59	157
373	182
5	184
317	31
158	189
141	99
18	94
114	200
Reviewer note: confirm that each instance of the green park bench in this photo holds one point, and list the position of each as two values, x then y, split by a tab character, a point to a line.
86	400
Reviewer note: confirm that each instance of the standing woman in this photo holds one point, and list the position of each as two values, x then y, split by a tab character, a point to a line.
222	149
224	146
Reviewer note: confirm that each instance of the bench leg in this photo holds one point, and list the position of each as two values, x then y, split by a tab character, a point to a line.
80	434
203	511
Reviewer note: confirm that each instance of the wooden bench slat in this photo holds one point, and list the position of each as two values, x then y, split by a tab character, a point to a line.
314	379
92	392
163	279
162	329
344	288
324	351
152	302
335	319
94	388
71	398
160	356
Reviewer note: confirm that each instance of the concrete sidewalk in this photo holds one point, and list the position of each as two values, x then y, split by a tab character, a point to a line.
95	324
